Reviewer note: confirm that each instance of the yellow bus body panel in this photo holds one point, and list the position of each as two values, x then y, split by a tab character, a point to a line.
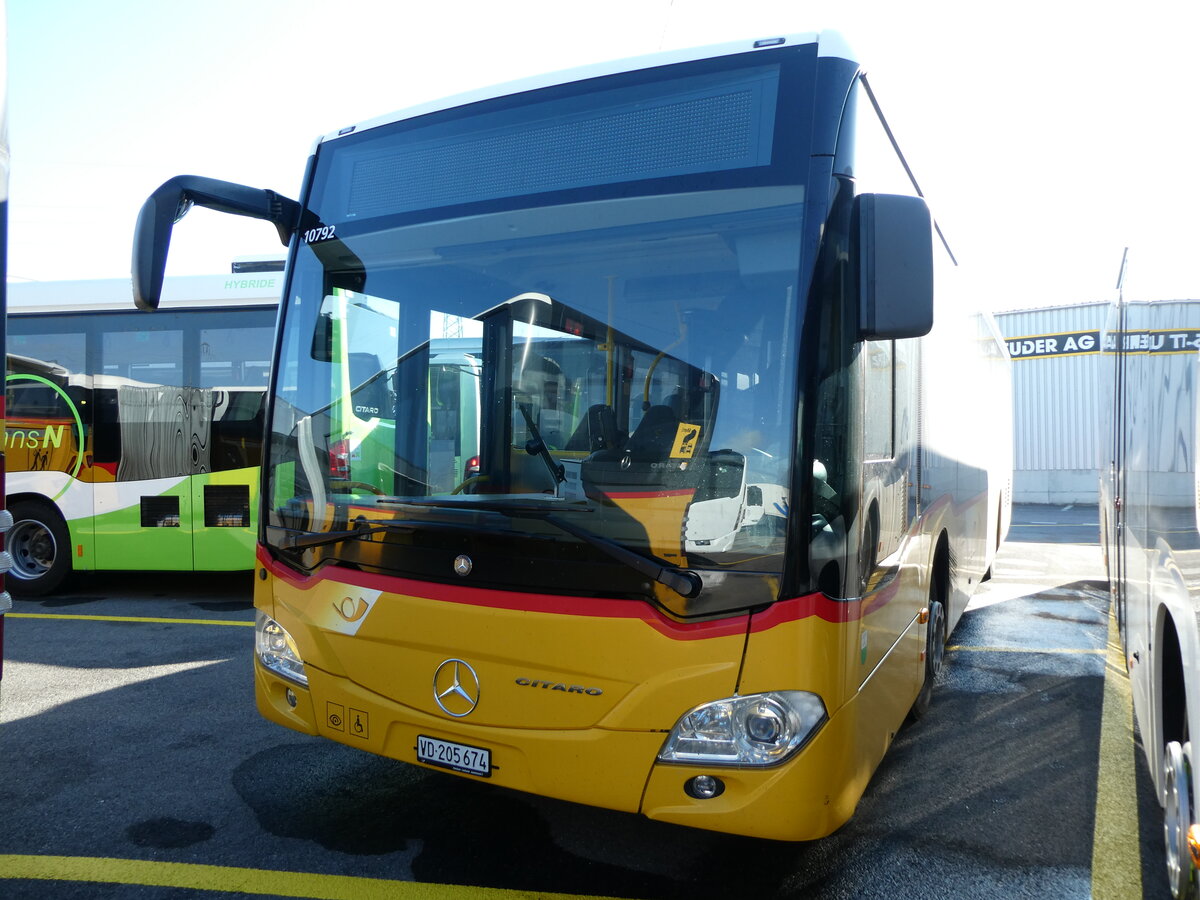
816	791
571	706
806	798
593	766
371	656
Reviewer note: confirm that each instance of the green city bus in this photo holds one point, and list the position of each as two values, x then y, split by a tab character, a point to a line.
135	443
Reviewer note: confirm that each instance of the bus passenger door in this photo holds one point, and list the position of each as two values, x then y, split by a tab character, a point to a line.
1116	487
889	445
143	518
889	452
231	367
145	438
1139	458
224	496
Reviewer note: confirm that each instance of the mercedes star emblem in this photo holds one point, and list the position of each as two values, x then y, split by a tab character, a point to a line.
456	688
462	565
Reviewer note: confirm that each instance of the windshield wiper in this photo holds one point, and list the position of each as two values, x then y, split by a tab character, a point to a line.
364	528
303	540
686	583
536	446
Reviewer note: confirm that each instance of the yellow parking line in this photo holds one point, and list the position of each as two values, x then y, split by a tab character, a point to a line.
232	879
1116	844
142	619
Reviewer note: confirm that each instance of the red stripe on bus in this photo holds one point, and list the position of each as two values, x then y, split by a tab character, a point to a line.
806	607
820	606
795	609
520	601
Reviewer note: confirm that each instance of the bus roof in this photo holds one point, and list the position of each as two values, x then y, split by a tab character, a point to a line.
829	43
186	291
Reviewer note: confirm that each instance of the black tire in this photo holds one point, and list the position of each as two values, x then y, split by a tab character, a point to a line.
41	549
935	647
987	576
867	551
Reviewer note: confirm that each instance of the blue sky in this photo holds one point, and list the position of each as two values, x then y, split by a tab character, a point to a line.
1047	136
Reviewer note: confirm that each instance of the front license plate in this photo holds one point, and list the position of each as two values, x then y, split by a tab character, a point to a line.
449	755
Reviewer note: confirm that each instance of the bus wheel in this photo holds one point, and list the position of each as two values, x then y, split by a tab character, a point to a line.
868	551
40	548
935	649
1177	819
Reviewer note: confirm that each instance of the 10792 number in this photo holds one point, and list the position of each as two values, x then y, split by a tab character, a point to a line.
316	235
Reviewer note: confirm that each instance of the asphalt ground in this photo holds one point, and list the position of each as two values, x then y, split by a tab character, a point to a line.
133	764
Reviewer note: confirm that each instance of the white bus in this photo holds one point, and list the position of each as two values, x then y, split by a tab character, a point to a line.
135	443
1150	534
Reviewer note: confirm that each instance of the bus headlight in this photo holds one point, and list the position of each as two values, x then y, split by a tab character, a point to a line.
756	730
276	649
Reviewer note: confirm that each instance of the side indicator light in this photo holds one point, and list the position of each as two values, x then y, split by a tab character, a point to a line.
923	616
1194	845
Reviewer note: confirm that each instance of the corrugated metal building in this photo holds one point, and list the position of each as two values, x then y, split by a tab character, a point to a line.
1057	389
1060	378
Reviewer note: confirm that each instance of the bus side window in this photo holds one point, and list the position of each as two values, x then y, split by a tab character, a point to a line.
234	356
150	357
878	399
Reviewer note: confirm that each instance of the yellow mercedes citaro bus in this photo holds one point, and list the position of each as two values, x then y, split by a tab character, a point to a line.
617	448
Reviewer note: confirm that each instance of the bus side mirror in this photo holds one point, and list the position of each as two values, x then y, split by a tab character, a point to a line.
170	203
895	266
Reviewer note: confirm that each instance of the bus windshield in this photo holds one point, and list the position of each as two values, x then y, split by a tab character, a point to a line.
617	352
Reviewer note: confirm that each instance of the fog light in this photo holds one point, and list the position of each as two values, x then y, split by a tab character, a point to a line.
704	787
290	696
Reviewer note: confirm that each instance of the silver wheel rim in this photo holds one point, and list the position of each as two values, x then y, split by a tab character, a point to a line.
33	549
1177	816
937	647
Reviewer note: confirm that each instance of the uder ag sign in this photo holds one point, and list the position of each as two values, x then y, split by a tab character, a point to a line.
1078	343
